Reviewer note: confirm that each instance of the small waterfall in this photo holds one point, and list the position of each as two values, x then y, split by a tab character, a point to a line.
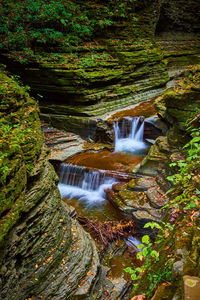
129	136
78	182
133	242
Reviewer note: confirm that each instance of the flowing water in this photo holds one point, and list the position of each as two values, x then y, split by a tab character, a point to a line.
85	190
106	160
129	136
85	186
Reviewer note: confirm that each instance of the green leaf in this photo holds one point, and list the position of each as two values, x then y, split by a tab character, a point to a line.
134	276
152	225
140	246
155	254
145	252
173	164
139	256
146	239
128	270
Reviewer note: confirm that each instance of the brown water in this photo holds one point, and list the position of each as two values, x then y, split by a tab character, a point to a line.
145	109
105	212
118	263
106	160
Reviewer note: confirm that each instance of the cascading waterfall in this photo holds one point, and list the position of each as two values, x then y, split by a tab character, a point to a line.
129	136
82	184
133	242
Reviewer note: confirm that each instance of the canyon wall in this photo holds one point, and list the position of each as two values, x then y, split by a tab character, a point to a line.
44	252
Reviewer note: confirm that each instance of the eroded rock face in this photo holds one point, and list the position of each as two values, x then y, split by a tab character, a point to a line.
121	67
182	242
47	253
117	69
175	106
76	95
44	252
179	16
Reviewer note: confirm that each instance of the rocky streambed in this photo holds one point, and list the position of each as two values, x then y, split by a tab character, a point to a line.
96	180
122	194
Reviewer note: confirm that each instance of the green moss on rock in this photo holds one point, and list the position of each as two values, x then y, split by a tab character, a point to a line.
21	141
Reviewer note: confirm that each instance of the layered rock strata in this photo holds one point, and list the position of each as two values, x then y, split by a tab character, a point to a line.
176	106
45	254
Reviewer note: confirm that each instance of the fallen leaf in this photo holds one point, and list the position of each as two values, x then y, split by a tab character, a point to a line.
189	224
167	247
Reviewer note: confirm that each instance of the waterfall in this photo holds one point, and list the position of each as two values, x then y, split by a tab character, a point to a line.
133	242
82	184
129	135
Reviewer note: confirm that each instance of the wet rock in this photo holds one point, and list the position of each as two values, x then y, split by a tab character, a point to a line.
157	197
62	144
178	266
150	131
126	195
157	159
163	292
131	184
191	287
136	204
146	182
143	216
119	186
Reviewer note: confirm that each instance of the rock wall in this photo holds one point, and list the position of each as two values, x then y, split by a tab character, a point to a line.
182	16
114	70
120	67
44	252
175	107
180	245
102	77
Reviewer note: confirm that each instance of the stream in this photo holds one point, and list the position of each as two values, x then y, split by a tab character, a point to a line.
87	181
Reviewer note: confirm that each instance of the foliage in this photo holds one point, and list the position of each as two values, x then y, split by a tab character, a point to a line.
27	24
121	8
186	198
188	167
20	126
147	253
20	145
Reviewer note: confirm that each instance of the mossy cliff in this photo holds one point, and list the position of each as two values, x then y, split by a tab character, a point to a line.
175	107
120	66
97	78
44	252
178	247
21	143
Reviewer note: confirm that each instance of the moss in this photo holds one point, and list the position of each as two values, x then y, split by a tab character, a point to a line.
21	141
185	95
131	184
10	219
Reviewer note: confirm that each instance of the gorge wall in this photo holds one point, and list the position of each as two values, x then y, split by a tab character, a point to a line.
182	240
44	252
122	65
